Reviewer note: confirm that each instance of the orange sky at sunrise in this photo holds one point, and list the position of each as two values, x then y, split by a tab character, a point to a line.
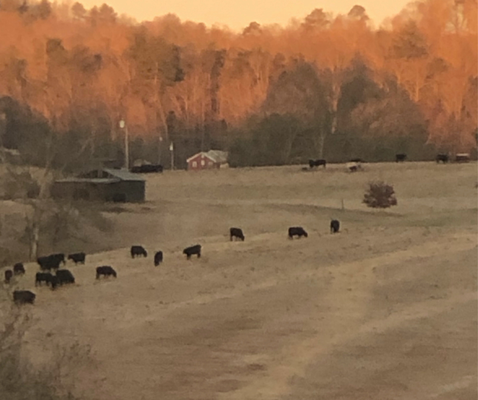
237	14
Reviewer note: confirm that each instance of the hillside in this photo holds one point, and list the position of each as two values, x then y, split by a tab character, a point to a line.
385	309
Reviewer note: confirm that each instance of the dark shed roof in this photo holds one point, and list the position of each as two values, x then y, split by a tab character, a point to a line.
105	175
123	174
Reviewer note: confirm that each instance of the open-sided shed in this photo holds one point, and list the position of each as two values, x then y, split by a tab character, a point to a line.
107	184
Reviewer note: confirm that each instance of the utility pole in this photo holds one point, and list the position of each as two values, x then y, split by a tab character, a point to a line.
159	148
123	125
171	149
3	130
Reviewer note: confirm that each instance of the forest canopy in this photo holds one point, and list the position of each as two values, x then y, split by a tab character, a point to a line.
331	86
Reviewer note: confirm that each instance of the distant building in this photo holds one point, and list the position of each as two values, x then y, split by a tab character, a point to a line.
106	184
213	159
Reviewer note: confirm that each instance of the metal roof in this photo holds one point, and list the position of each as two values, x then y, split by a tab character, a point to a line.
88	180
217	156
123	174
109	175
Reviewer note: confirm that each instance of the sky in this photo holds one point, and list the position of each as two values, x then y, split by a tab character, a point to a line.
237	14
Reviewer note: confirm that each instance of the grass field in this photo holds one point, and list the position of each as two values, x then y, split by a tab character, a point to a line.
387	309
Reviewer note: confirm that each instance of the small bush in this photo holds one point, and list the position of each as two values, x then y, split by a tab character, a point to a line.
380	195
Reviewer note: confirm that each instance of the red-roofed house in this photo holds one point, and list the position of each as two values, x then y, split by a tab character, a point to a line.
213	159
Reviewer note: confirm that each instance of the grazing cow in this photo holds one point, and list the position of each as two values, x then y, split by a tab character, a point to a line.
58	256
334	226
23	297
317	163
353	166
18	269
8	275
400	157
138	251
236	233
189	251
297	231
357	160
158	258
77	258
462	157
52	261
54	282
443	158
43	277
105	270
64	276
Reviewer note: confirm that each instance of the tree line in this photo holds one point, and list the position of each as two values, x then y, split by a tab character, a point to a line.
327	85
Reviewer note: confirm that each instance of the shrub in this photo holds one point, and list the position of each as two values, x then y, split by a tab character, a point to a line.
20	379
380	195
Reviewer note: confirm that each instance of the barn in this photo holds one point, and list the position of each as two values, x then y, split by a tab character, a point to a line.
107	184
213	159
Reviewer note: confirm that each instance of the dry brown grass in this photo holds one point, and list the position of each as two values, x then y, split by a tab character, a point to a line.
385	309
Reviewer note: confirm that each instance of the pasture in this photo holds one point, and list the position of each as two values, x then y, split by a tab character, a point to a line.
385	309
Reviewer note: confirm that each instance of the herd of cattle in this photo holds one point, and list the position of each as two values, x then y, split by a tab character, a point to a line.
64	276
355	164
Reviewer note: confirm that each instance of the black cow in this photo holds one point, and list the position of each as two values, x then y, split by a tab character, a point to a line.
43	277
23	297
59	256
52	261
189	251
54	282
147	168
18	269
236	232
77	258
462	157
317	163
105	270
442	157
400	157
334	226
158	258
353	166
297	231
138	251
64	276
8	275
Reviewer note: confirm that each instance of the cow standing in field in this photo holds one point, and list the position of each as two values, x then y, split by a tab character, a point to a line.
64	276
23	297
77	258
138	251
236	233
353	166
158	258
334	226
317	163
43	277
8	275
105	270
58	256
297	231
18	269
50	262
400	157
442	158
192	250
